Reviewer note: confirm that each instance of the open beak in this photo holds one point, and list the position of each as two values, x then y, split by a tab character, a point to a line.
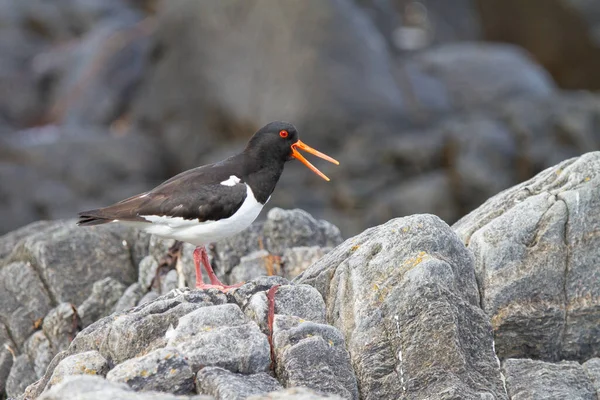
308	149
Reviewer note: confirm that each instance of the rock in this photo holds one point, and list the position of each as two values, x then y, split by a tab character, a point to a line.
296	260
282	229
35	389
221	336
408	288
142	329
39	351
224	384
314	356
148	297
246	292
533	245
297	393
592	368
21	375
105	295
477	74
169	282
534	379
254	265
96	388
162	370
60	326
70	258
364	83
132	295
147	271
23	301
7	352
290	228
86	363
302	301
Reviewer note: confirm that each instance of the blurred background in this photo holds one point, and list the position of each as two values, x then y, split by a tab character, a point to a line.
430	106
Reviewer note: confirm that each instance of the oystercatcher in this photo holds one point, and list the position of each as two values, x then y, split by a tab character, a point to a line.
209	203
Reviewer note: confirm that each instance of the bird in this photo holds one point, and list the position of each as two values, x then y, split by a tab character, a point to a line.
212	202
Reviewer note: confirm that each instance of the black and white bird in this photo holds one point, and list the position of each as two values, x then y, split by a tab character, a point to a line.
212	202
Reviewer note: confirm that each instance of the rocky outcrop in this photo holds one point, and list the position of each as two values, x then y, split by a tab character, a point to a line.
405	298
500	306
535	249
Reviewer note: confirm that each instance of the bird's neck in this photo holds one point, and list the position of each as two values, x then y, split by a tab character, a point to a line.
262	175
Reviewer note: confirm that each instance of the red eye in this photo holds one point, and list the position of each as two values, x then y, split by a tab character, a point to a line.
283	134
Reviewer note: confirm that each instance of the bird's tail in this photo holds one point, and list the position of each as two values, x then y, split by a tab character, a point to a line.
91	217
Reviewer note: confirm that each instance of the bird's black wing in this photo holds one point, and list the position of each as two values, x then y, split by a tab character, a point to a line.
194	194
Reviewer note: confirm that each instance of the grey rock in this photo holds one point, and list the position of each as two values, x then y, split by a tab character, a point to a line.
501	71
9	241
96	388
70	258
105	295
120	337
7	352
367	85
291	228
244	293
592	368
60	326
130	298
297	393
296	260
314	356
24	299
35	389
169	282
302	301
407	288
86	363
252	266
221	336
162	370
147	270
148	297
533	245
39	351
227	385
282	229
21	375
534	379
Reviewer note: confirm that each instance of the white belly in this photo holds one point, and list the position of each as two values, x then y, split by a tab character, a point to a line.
202	233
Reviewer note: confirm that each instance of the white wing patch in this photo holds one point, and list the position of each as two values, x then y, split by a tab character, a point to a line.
233	180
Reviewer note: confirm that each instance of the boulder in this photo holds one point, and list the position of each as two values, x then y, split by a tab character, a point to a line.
221	336
224	384
69	259
120	337
86	363
105	295
21	375
407	288
24	299
96	388
162	370
534	379
535	252
313	355
297	393
592	368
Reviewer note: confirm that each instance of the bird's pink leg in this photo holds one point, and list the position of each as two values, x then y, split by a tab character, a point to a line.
200	255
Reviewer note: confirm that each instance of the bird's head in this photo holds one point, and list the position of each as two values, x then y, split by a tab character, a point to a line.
280	140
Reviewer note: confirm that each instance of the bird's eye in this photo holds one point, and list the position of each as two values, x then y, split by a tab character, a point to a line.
283	134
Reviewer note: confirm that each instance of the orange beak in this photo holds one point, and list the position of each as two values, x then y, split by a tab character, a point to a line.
308	149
